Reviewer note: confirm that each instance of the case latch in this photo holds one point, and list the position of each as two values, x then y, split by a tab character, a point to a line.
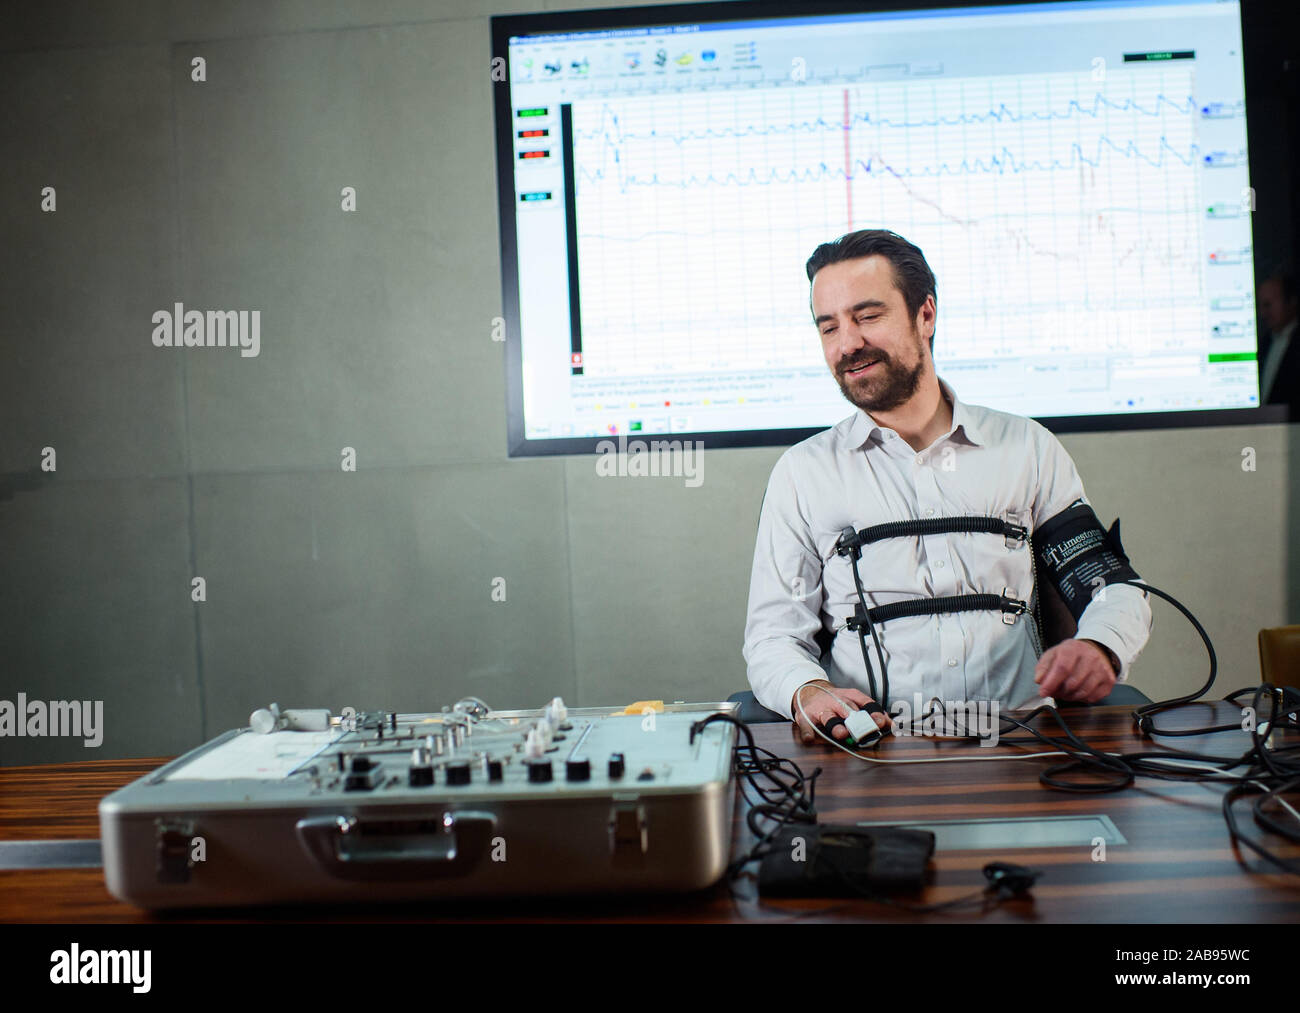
628	833
175	839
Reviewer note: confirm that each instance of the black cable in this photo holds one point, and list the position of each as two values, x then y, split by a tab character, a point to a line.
1267	821
1234	829
1270	766
866	618
989	898
1270	772
1144	713
789	802
751	760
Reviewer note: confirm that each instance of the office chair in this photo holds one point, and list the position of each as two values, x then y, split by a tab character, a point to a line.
1279	655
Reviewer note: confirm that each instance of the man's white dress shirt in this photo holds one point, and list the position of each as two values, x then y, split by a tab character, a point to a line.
856	474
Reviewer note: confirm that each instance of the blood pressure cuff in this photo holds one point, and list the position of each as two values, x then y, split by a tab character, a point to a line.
1078	555
831	860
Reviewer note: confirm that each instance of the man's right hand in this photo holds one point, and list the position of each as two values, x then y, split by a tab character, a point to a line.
820	707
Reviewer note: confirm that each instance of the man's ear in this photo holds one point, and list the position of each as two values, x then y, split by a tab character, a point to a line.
920	320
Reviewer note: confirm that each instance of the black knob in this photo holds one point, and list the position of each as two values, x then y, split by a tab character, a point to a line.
578	769
360	764
539	771
616	765
421	777
458	773
493	768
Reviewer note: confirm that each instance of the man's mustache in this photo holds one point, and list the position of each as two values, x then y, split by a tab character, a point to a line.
861	360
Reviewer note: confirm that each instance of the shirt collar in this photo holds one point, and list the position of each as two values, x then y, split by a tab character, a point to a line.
862	427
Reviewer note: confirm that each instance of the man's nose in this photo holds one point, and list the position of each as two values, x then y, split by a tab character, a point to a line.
851	340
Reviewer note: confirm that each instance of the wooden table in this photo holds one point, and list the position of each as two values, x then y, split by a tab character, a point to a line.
1178	865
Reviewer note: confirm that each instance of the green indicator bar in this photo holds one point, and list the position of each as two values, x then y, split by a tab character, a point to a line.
1176	54
523	113
1232	356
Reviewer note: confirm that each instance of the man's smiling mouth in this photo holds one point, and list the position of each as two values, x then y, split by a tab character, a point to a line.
860	370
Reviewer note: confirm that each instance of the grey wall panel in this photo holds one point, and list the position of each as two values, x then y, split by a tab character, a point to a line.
79	284
374	589
375	324
1198	526
661	577
66	23
94	595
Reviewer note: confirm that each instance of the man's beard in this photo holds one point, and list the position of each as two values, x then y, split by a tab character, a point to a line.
886	387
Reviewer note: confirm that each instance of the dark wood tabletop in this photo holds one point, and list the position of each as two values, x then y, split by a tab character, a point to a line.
1178	866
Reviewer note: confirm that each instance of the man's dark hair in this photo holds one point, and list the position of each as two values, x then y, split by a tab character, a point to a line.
912	275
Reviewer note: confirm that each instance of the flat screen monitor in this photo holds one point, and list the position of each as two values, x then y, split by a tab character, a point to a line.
1076	174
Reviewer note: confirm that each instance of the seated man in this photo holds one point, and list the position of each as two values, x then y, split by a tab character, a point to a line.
913	450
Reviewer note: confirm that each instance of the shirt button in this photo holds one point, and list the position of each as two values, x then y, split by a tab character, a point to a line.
929	513
940	564
920	458
952	662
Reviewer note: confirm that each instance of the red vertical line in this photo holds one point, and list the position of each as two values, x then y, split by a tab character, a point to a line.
848	164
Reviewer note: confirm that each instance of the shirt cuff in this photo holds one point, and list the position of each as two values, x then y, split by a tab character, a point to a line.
776	693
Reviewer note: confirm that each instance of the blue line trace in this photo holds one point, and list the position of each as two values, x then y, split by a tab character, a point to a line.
1000	164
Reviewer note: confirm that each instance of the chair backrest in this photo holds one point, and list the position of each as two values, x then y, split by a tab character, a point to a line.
1054	618
1279	655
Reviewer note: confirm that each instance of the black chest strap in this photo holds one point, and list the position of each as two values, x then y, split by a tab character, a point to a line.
851	541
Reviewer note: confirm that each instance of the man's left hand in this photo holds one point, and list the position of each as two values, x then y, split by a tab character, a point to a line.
1075	670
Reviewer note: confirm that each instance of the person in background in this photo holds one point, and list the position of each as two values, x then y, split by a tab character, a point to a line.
1279	351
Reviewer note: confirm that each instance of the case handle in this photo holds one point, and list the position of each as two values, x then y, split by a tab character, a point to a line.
395	849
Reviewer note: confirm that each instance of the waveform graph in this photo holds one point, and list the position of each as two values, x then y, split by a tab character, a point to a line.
1059	212
695	215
